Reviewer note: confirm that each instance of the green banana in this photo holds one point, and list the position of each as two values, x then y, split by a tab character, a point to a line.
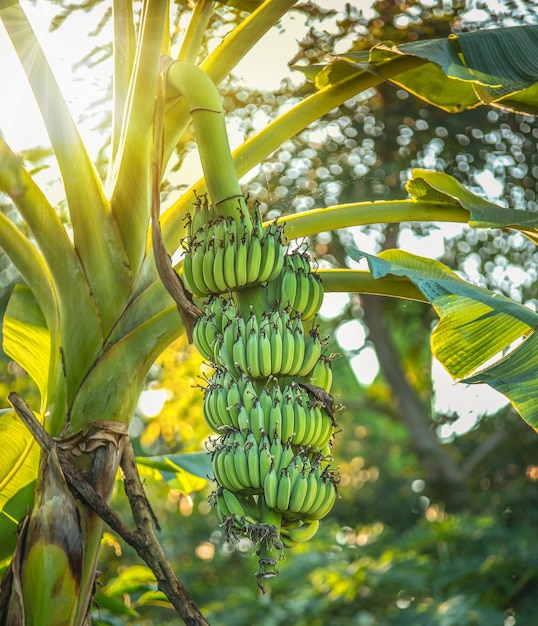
208	414
268	253
288	286
243	419
230	333
198	269
266	458
229	259
321	374
232	479
286	457
300	420
284	490
288	348
186	273
249	395
251	325
252	354
295	468
287	416
324	430
299	347
275	420
275	337
311	492
253	460
266	401
315	296
274	231
270	488
218	268
322	506
264	352
276	450
254	259
232	504
257	420
233	404
241	258
218	466
298	493
304	532
210	333
199	338
208	264
312	352
240	462
239	354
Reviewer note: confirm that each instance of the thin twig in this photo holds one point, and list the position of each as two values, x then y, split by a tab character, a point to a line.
143	539
150	549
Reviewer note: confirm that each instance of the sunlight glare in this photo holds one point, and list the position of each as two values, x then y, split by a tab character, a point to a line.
469	402
151	401
365	366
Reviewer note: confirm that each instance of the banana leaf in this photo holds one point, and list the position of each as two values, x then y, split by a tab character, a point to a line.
481	337
428	186
497	67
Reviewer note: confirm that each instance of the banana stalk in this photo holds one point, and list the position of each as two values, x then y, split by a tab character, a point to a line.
265	399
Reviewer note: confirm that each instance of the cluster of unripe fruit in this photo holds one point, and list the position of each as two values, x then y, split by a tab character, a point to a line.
268	397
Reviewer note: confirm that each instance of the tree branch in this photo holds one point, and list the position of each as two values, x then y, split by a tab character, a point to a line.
439	466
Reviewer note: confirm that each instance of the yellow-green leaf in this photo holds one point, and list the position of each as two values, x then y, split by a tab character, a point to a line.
476	326
26	337
497	67
439	187
18	470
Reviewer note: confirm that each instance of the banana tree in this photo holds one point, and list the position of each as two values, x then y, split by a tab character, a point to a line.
96	309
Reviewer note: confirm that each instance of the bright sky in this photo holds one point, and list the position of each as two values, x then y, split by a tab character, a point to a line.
21	126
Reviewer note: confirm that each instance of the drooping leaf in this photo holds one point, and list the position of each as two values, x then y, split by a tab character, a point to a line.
516	376
495	67
19	463
440	187
476	326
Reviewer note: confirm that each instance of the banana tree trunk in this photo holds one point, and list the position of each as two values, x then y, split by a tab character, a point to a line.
52	576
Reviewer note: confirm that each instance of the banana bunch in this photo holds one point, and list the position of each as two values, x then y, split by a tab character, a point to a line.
224	254
297	286
295	483
275	345
289	413
267	398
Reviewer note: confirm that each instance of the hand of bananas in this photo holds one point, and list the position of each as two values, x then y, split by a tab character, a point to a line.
271	460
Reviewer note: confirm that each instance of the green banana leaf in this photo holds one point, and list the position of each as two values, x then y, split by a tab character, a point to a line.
428	186
476	327
497	67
